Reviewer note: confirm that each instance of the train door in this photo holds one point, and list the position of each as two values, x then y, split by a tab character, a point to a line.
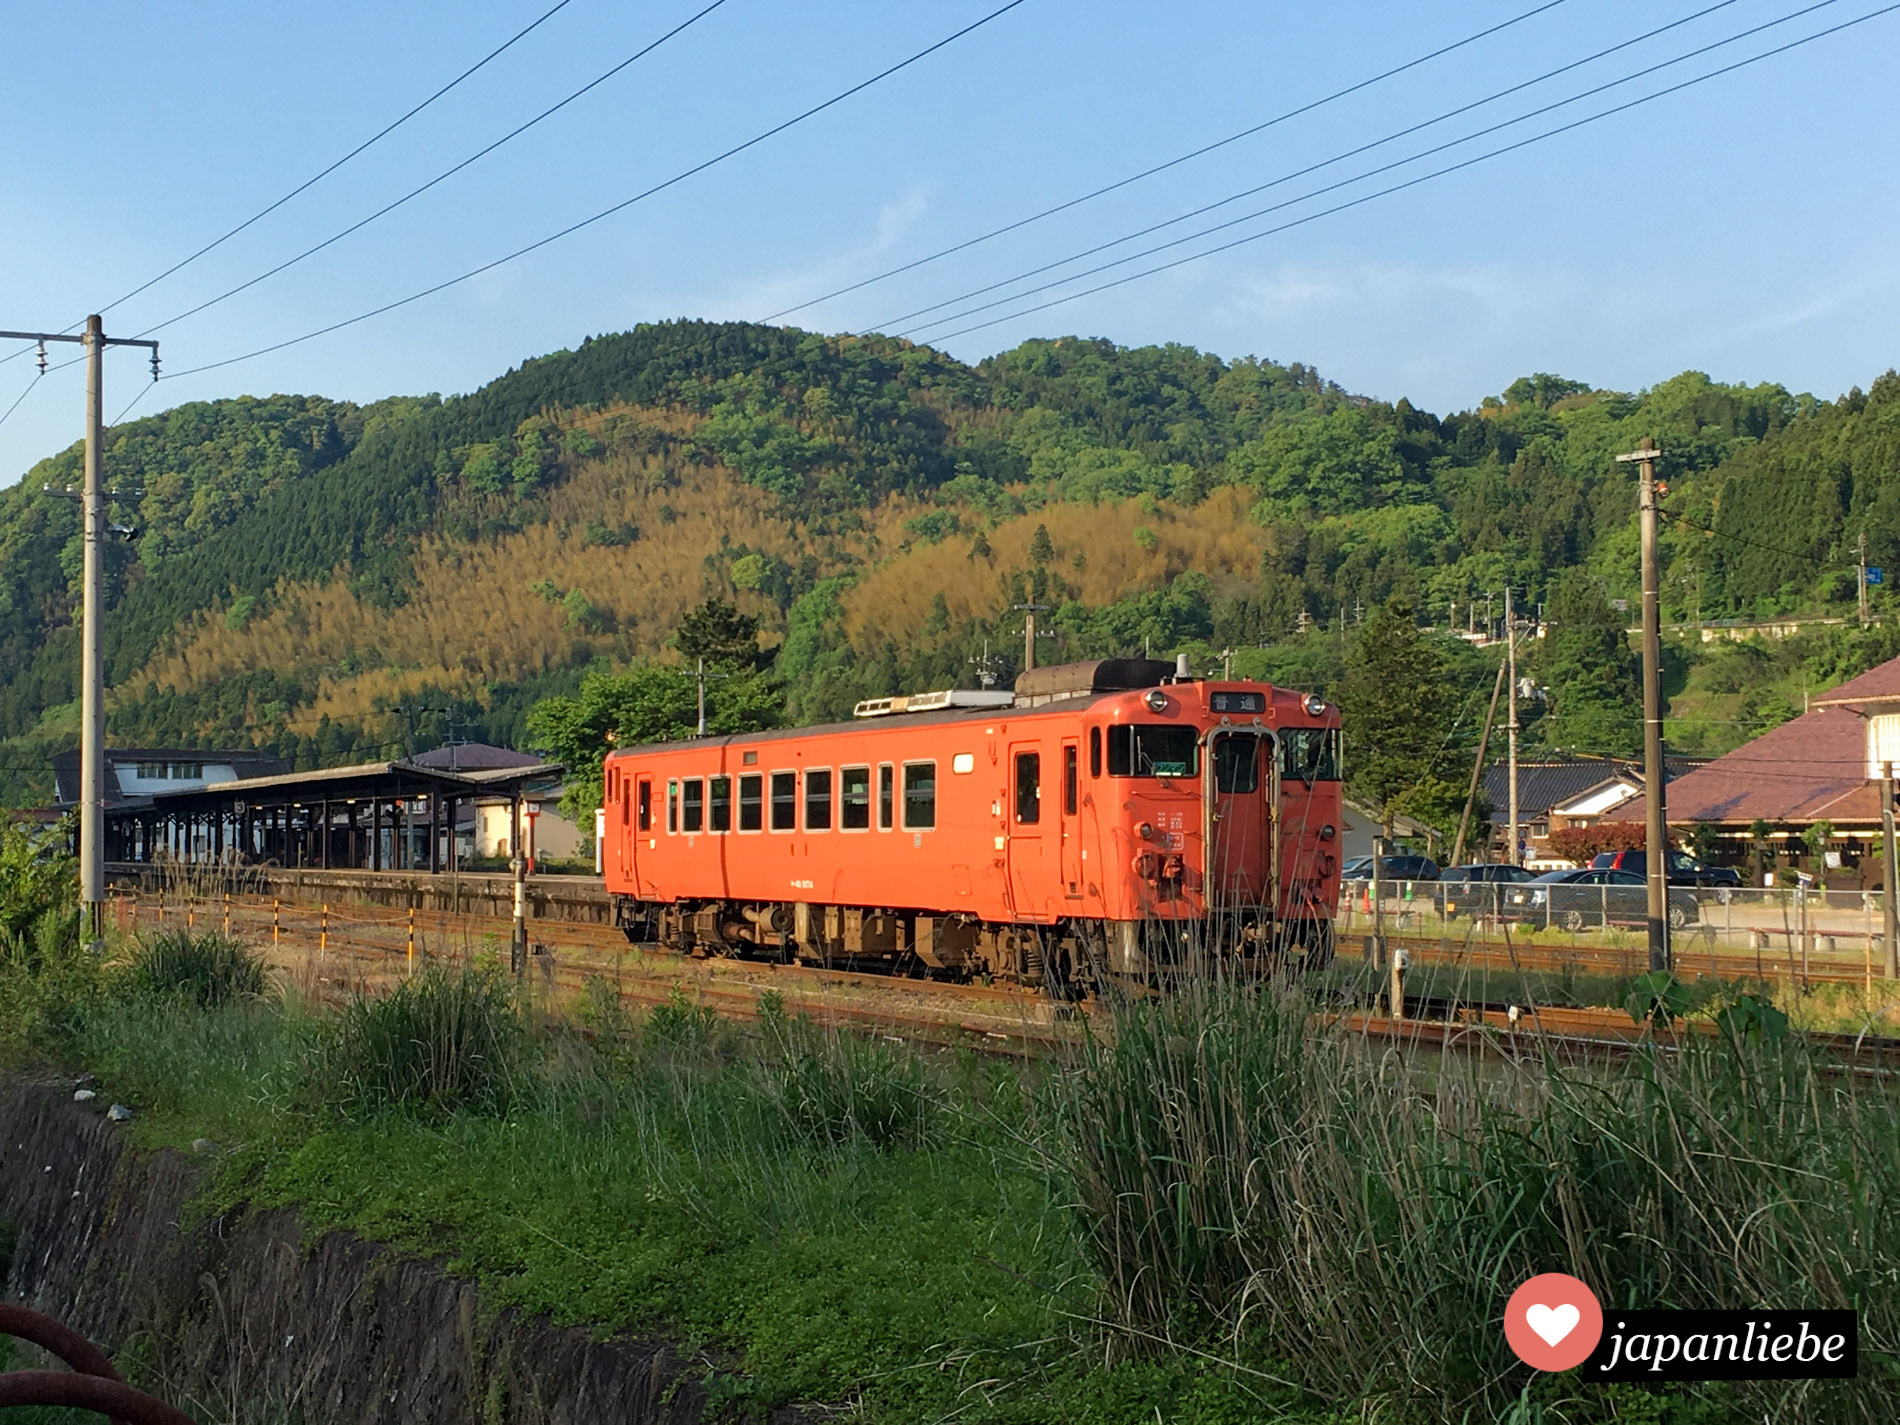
1028	875
1069	805
1240	822
639	807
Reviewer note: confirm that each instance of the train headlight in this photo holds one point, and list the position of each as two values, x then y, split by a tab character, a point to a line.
1157	700
1315	705
1144	831
1328	832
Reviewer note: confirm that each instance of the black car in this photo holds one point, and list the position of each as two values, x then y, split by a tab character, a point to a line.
1577	900
1684	870
1475	889
1392	869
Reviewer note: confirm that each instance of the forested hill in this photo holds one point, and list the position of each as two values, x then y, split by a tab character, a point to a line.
333	579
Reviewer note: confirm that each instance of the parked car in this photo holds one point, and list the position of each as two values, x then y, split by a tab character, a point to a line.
1392	869
1684	870
1475	889
1577	900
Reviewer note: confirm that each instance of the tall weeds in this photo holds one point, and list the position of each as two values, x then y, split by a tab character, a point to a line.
447	1040
1236	1171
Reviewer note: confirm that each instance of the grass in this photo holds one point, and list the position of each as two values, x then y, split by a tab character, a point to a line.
1212	1215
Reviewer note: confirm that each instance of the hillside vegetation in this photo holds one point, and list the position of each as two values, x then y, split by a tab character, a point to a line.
339	581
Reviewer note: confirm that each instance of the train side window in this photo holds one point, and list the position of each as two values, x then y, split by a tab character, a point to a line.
1095	752
920	796
1070	775
784	801
692	805
719	805
886	795
645	786
818	799
752	802
672	805
1028	788
854	798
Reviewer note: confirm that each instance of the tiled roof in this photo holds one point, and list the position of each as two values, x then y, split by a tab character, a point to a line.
1810	769
474	757
1543	785
1876	683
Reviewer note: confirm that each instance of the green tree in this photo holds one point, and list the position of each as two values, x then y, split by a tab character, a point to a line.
648	702
724	637
1400	712
1596	697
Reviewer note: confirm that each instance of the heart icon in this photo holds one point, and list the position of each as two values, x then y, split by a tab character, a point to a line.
1552	1323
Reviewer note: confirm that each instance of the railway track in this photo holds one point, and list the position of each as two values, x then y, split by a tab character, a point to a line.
368	947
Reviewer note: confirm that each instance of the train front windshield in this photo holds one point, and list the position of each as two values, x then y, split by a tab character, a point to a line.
1310	754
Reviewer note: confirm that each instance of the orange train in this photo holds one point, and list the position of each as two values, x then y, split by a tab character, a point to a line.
1117	817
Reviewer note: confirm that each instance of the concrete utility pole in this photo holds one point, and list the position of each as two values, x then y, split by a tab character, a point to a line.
1862	543
1890	873
1029	612
1656	843
1513	856
92	693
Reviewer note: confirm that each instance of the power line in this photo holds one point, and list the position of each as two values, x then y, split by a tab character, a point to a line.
324	173
572	228
446	174
1409	183
1675	518
1341	157
1183	158
1336	185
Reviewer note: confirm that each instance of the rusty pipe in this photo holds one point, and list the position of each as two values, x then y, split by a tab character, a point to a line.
110	1397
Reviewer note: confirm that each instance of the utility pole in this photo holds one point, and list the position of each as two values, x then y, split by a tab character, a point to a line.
1513	856
1029	612
92	693
1890	873
1477	771
1656	842
1862	542
700	675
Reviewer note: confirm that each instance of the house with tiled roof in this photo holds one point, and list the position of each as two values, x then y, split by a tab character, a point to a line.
1824	766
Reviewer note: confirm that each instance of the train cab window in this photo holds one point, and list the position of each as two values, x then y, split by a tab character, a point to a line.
1236	763
784	801
818	799
752	802
1095	752
719	804
1028	788
672	805
1147	749
1070	795
1310	753
920	796
645	787
692	805
854	798
886	795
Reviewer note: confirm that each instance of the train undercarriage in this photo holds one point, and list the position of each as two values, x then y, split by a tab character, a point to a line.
1066	957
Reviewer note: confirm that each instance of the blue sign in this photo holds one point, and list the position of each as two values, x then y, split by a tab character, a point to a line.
1876	575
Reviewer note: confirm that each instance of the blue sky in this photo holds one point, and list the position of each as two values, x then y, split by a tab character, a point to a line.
1744	226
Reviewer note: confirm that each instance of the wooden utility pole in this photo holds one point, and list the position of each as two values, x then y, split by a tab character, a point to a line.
1656	842
92	694
1514	855
1029	612
1890	873
1862	550
1477	771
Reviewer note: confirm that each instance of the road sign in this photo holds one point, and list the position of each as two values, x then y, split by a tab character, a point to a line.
1876	574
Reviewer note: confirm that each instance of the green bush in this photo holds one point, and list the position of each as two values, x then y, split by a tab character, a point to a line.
444	1041
209	968
835	1086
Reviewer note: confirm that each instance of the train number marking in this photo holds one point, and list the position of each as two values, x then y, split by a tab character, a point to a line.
801	885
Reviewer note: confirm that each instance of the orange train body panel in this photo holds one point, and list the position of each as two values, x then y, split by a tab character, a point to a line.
1160	804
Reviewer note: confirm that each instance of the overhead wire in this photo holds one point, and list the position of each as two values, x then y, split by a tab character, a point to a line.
1408	183
441	177
1342	156
1177	161
608	212
325	172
